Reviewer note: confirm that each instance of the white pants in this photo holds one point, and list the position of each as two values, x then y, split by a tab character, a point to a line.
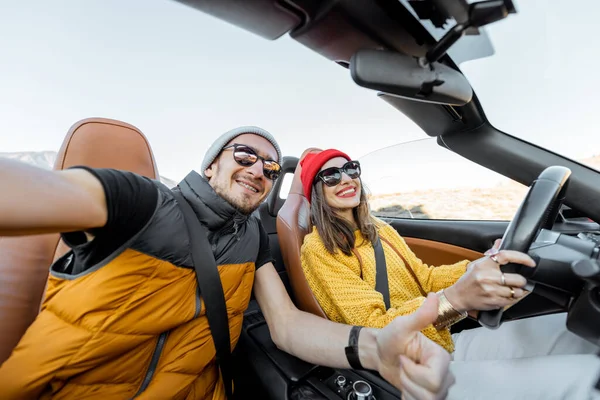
533	358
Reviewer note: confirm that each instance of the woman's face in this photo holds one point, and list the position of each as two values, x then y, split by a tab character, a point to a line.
344	196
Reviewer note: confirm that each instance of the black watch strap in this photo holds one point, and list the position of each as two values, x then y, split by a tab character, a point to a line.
352	348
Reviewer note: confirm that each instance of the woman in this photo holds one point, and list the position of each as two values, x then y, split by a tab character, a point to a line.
530	358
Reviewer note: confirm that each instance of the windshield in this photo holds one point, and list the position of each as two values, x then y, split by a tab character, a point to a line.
541	83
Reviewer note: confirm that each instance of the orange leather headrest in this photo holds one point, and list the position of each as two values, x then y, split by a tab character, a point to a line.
107	143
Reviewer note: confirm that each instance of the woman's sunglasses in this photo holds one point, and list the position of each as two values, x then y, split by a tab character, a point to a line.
333	176
246	156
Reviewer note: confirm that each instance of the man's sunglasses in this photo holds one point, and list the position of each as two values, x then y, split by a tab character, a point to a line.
246	156
333	176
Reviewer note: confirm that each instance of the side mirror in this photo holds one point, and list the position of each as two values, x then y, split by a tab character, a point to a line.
404	76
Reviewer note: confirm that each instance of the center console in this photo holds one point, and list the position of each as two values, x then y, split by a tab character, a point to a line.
283	376
350	385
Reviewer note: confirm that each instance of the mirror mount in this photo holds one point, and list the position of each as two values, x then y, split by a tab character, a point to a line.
424	78
480	14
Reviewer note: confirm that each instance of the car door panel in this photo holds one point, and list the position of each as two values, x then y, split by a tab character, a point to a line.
461	237
438	253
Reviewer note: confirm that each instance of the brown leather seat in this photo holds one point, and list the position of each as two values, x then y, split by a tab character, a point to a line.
293	223
24	261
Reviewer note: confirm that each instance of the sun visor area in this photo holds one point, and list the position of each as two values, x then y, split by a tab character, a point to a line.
264	18
436	119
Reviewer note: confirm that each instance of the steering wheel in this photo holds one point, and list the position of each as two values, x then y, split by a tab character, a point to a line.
538	210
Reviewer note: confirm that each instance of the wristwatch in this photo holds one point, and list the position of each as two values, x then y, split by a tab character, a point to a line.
352	348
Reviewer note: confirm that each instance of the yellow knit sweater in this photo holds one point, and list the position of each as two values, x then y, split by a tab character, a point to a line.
345	297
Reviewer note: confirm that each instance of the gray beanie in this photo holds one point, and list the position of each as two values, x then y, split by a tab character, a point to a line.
214	150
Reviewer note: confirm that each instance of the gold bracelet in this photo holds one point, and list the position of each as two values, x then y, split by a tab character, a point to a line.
447	314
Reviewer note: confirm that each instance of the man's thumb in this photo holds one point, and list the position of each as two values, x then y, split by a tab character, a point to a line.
425	315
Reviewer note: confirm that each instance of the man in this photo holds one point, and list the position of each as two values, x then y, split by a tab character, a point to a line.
122	315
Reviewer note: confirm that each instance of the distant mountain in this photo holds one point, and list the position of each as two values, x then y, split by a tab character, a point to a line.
45	159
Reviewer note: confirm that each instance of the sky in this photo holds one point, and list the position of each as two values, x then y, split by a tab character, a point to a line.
184	77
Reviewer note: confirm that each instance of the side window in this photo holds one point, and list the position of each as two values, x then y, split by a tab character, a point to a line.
421	179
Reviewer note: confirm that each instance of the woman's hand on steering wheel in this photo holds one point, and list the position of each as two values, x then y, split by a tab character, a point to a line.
484	286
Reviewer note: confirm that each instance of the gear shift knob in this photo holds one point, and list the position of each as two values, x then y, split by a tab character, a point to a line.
361	390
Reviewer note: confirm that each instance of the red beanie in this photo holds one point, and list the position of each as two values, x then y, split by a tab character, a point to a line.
312	163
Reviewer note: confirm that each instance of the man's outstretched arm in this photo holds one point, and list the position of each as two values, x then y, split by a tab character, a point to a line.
36	201
399	352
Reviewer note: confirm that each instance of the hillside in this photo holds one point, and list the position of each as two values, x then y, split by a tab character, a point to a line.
45	159
493	203
496	203
592	162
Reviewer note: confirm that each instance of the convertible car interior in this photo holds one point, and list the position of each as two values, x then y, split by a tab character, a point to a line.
381	45
386	46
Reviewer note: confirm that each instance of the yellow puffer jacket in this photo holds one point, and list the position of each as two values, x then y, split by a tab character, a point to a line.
134	327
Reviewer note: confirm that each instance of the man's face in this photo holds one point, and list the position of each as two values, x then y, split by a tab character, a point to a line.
243	187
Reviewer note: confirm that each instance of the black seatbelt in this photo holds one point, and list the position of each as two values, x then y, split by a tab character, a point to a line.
211	290
381	277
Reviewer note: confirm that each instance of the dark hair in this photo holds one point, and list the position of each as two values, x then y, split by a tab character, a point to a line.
337	232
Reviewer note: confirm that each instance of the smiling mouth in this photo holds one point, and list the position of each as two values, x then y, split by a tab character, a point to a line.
349	192
248	186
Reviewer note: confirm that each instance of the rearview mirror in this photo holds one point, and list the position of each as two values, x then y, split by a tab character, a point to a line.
404	76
